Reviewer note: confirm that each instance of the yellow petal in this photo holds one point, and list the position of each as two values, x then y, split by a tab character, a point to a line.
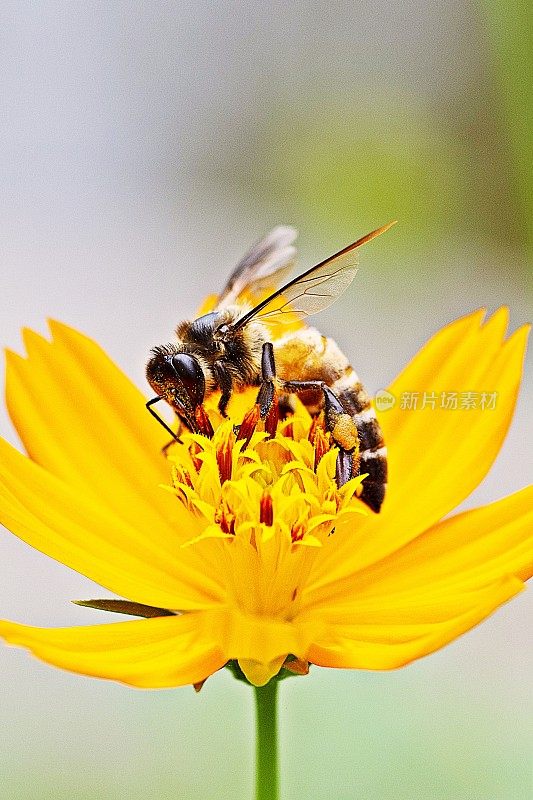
388	646
423	596
154	653
469	550
142	564
81	418
436	457
211	532
463	553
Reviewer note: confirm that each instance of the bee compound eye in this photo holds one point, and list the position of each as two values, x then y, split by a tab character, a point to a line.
189	372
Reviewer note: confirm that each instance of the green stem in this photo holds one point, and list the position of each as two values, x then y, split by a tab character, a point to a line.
266	748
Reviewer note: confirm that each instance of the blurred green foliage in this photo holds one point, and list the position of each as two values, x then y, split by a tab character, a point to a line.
338	167
509	26
451	166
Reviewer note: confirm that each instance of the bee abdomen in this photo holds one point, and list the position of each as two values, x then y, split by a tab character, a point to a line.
369	431
372	451
374	462
352	394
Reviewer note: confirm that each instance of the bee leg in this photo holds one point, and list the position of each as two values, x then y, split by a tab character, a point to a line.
266	394
226	386
338	423
266	404
345	436
175	437
268	397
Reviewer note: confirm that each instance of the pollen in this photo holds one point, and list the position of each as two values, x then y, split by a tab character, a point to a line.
345	432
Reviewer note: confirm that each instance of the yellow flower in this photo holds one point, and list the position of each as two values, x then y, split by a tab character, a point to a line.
247	551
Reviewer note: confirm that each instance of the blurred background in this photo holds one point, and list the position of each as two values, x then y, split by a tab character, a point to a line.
144	146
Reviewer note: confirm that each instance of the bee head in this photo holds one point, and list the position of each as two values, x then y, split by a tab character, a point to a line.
179	379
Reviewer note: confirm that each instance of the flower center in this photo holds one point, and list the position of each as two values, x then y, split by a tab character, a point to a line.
267	504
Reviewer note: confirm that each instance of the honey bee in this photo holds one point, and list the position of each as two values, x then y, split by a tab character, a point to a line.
232	347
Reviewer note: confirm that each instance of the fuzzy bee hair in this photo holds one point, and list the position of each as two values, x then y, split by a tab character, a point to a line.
213	340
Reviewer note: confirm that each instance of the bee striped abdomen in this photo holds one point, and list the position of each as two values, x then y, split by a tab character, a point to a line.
372	450
309	356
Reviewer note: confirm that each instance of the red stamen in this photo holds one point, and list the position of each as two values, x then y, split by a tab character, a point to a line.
182	475
297	532
248	425
195	448
288	431
224	457
266	512
203	422
225	519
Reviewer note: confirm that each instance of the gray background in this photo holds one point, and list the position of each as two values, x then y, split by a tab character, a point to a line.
143	148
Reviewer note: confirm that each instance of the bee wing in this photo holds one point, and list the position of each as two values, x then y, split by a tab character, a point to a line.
314	290
267	264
